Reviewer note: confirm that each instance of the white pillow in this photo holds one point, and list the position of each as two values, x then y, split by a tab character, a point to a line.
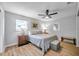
36	32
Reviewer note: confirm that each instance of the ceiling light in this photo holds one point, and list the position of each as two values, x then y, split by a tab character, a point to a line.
46	17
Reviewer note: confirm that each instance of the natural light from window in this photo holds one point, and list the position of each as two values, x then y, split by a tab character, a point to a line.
21	25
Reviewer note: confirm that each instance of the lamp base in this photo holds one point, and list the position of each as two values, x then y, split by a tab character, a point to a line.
45	32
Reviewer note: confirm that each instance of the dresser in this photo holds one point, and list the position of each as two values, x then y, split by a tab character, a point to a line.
22	40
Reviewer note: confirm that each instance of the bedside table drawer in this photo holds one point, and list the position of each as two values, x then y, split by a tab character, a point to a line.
22	40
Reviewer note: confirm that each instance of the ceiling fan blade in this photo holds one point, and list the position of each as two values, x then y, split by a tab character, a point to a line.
47	12
53	13
41	14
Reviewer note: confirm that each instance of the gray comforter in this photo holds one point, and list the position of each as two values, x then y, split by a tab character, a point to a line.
42	40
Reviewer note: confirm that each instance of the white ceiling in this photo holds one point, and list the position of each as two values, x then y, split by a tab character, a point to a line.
32	9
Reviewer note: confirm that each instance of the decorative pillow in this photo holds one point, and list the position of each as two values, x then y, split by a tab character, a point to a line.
39	32
36	32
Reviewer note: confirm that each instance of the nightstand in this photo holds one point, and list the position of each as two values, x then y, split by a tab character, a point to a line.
22	40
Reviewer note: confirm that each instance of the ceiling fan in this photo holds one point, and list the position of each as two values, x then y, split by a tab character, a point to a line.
47	15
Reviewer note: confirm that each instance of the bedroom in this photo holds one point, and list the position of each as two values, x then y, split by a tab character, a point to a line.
34	17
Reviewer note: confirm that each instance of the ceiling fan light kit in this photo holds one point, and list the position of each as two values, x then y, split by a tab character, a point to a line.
46	17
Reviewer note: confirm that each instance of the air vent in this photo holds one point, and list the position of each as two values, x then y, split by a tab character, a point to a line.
70	2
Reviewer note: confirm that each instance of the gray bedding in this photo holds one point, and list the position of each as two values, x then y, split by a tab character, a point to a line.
42	40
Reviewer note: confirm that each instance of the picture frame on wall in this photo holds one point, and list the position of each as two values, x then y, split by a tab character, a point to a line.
34	25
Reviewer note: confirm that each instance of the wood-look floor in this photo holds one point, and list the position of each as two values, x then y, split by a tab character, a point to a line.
31	50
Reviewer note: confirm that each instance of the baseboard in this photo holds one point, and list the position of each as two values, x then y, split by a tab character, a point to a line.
2	51
7	46
11	45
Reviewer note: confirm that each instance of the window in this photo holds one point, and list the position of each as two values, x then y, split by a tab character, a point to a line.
45	26
56	27
21	25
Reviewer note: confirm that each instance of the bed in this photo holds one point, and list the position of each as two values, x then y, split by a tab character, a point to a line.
42	40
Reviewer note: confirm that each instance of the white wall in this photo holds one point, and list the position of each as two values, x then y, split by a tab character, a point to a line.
10	27
1	30
67	25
